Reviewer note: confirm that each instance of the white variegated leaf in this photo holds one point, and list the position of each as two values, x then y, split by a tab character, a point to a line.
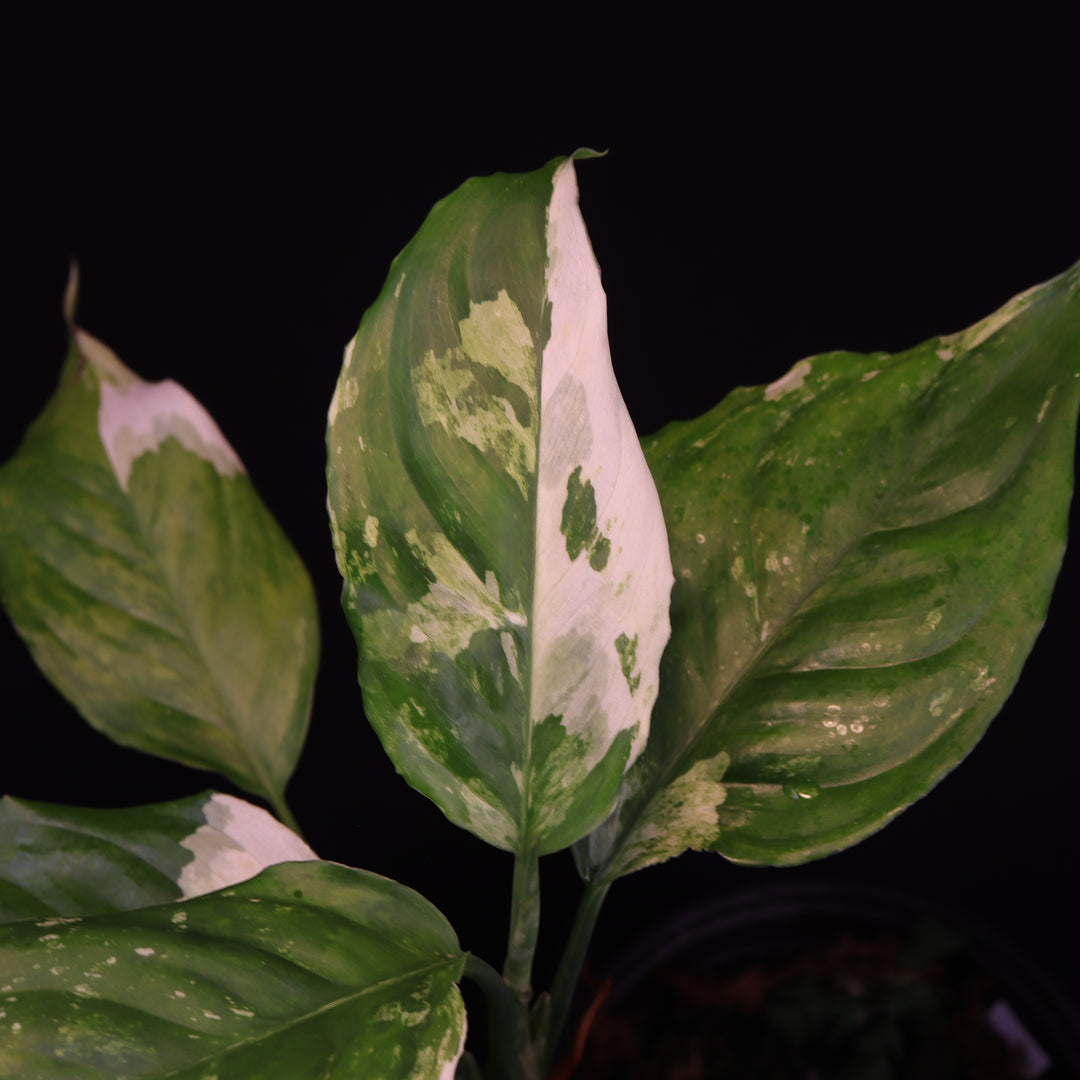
505	558
64	861
149	581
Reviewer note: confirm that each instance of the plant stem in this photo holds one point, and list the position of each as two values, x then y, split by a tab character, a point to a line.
524	925
505	1035
285	815
566	977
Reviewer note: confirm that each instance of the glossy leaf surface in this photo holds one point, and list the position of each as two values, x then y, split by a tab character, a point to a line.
67	860
151	584
506	565
309	970
864	553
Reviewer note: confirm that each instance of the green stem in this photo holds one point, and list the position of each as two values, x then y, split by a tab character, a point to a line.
524	925
505	1034
285	815
566	977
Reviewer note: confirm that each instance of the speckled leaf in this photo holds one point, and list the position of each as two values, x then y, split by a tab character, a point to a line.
864	553
66	860
151	584
310	970
506	565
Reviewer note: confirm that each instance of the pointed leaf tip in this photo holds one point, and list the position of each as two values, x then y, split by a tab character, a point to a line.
71	293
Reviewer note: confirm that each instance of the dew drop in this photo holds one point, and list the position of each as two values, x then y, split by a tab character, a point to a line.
801	789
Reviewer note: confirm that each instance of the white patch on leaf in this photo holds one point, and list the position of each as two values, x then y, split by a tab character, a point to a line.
237	842
135	417
371	530
599	522
793	380
974	336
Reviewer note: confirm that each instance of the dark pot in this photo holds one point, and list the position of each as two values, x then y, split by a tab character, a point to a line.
809	982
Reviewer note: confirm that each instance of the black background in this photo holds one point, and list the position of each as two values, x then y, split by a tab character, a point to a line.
235	185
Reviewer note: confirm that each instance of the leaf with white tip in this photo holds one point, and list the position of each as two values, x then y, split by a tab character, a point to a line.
311	971
60	861
506	565
864	552
152	585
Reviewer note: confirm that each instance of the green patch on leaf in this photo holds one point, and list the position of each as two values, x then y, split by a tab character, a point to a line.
579	523
626	647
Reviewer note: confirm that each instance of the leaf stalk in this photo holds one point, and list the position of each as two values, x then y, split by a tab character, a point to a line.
568	972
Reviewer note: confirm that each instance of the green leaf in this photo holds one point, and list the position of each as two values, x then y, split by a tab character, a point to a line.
506	566
309	970
151	584
59	861
864	554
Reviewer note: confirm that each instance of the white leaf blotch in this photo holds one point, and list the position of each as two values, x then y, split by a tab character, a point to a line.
587	441
793	380
135	417
237	842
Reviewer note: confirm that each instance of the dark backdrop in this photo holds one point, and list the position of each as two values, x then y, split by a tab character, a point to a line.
236	184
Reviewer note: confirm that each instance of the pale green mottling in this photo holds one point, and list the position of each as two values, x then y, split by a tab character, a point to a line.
486	819
440	1062
495	335
626	647
471	797
683	815
742	578
350	391
566	437
449	393
395	1012
575	671
371	530
1046	404
457	605
510	651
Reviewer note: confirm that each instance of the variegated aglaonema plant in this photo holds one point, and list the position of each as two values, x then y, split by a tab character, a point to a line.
763	632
